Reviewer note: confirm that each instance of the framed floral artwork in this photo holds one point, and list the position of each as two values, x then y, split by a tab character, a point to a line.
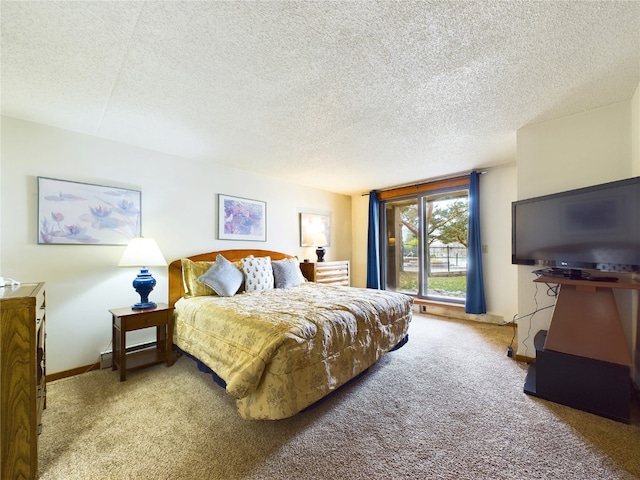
73	213
241	219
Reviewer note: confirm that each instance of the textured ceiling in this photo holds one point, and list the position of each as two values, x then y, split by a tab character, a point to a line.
345	96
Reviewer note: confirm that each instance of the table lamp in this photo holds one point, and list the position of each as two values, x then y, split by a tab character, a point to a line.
321	241
314	233
143	252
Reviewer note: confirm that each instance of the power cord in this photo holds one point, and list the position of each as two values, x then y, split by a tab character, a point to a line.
515	319
552	291
513	337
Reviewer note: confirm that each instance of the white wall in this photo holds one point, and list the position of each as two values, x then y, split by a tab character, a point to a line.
571	152
178	210
497	191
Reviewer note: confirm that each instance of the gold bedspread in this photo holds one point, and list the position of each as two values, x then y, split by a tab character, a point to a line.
281	350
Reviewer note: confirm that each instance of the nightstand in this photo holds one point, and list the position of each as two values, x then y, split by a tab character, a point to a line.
126	320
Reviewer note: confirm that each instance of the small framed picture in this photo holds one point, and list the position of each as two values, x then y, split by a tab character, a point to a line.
241	219
315	230
73	213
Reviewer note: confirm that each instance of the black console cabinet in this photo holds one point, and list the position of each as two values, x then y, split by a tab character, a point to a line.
583	360
595	386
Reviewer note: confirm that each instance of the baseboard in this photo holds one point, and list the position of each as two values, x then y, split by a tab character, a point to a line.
106	358
425	305
70	373
524	359
453	310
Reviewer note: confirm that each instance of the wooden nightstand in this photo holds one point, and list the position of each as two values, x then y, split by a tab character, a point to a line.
126	320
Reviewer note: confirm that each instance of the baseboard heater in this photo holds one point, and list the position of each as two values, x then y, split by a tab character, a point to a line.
106	358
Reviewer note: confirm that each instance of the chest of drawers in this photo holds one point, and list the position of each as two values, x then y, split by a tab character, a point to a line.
23	381
330	273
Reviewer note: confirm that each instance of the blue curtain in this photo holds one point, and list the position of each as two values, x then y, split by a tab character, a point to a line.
475	302
373	243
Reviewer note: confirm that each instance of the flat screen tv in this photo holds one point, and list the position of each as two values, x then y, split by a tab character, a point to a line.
595	227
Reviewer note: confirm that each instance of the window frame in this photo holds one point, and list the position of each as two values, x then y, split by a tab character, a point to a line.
418	192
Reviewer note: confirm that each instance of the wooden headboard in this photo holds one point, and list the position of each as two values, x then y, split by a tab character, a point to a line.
176	285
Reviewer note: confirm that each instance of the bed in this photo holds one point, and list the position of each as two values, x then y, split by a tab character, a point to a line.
279	348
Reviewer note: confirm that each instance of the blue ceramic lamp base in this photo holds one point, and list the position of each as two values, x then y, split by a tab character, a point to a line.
143	284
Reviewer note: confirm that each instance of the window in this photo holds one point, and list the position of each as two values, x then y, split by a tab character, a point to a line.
425	241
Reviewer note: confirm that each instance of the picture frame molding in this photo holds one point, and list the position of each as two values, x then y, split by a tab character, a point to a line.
322	221
86	213
258	231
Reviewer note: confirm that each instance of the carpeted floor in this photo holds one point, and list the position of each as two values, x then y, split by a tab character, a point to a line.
448	405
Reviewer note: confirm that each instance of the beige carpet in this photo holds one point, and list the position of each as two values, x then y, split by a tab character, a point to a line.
448	405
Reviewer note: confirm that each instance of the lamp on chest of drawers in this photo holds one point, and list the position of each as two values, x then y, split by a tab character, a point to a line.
143	252
315	231
321	242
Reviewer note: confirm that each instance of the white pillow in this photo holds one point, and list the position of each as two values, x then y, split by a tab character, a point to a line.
258	274
287	273
223	276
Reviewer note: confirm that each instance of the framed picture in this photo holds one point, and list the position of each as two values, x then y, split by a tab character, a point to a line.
241	219
72	213
315	230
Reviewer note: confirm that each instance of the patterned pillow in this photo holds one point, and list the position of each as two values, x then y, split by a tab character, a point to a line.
191	271
258	274
223	276
287	273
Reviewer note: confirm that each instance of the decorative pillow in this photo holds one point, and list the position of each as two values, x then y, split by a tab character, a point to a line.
258	274
191	271
286	273
223	276
238	265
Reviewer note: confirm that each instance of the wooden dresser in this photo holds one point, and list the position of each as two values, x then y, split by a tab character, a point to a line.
22	378
331	273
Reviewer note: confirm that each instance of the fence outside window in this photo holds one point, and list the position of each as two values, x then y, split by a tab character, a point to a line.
442	258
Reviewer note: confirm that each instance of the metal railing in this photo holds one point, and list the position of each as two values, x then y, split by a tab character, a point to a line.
446	258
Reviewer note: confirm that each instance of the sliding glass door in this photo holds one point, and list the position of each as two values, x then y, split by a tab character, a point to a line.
403	246
425	244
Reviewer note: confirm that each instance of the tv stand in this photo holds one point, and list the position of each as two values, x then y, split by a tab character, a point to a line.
593	386
583	360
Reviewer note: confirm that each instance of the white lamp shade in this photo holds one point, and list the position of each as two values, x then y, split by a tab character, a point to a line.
142	252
